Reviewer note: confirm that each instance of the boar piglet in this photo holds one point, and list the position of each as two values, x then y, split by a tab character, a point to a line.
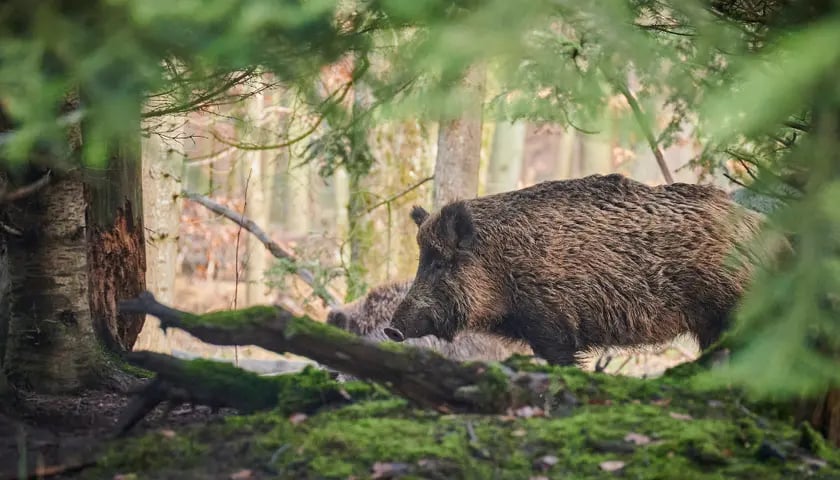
368	316
577	265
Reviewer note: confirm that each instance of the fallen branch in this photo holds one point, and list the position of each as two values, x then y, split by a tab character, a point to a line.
420	375
273	247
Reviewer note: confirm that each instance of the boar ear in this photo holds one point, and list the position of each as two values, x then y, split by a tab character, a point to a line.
419	214
458	228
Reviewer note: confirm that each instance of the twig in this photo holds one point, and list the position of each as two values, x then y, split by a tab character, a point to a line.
275	249
198	101
400	194
644	125
623	364
26	190
236	258
307	133
802	127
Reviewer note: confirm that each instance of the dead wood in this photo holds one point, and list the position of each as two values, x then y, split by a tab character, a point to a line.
419	375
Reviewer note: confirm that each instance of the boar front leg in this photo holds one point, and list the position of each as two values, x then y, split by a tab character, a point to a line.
554	352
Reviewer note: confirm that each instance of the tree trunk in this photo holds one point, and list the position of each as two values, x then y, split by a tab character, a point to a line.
51	340
116	247
506	157
258	206
5	285
162	167
459	146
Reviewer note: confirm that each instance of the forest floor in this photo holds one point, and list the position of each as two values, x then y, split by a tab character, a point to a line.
632	422
594	426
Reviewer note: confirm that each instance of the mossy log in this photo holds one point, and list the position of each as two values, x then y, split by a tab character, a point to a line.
420	375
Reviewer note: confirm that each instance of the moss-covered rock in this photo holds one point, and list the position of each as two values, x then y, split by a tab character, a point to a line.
592	426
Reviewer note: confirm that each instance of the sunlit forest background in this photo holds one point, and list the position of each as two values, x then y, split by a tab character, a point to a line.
251	154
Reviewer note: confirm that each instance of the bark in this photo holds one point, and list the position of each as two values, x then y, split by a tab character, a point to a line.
459	146
51	339
420	375
116	247
162	166
4	310
258	206
825	415
506	157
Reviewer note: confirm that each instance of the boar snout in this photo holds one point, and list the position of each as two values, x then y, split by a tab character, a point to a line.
393	334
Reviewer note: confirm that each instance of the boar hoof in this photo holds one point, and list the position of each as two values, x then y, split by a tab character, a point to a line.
394	334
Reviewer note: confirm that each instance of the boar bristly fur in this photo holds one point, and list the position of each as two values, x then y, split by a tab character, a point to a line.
576	265
368	316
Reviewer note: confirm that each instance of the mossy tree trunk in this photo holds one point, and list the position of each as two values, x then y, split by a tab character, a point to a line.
459	145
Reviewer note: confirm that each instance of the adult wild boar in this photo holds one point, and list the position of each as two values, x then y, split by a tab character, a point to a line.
577	265
368	316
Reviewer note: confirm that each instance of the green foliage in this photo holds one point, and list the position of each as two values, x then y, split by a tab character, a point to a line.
114	53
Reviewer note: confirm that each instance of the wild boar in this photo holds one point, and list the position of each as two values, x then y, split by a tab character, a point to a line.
578	265
368	316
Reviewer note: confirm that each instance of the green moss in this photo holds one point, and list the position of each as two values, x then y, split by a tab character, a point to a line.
681	433
299	325
154	451
232	319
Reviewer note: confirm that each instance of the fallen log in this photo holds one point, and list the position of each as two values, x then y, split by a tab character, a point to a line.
419	375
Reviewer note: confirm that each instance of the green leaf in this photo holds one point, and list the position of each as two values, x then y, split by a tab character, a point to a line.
774	85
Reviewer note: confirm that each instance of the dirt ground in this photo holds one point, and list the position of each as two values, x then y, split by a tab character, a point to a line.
47	432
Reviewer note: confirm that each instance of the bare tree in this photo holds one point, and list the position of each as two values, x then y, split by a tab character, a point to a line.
459	145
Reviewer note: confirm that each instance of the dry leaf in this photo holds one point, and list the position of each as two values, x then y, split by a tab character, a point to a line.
612	465
168	433
528	412
539	477
242	475
680	416
662	402
298	418
518	433
637	438
388	470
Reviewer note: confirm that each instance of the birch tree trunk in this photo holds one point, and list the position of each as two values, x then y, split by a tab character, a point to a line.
51	343
258	206
459	145
162	166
